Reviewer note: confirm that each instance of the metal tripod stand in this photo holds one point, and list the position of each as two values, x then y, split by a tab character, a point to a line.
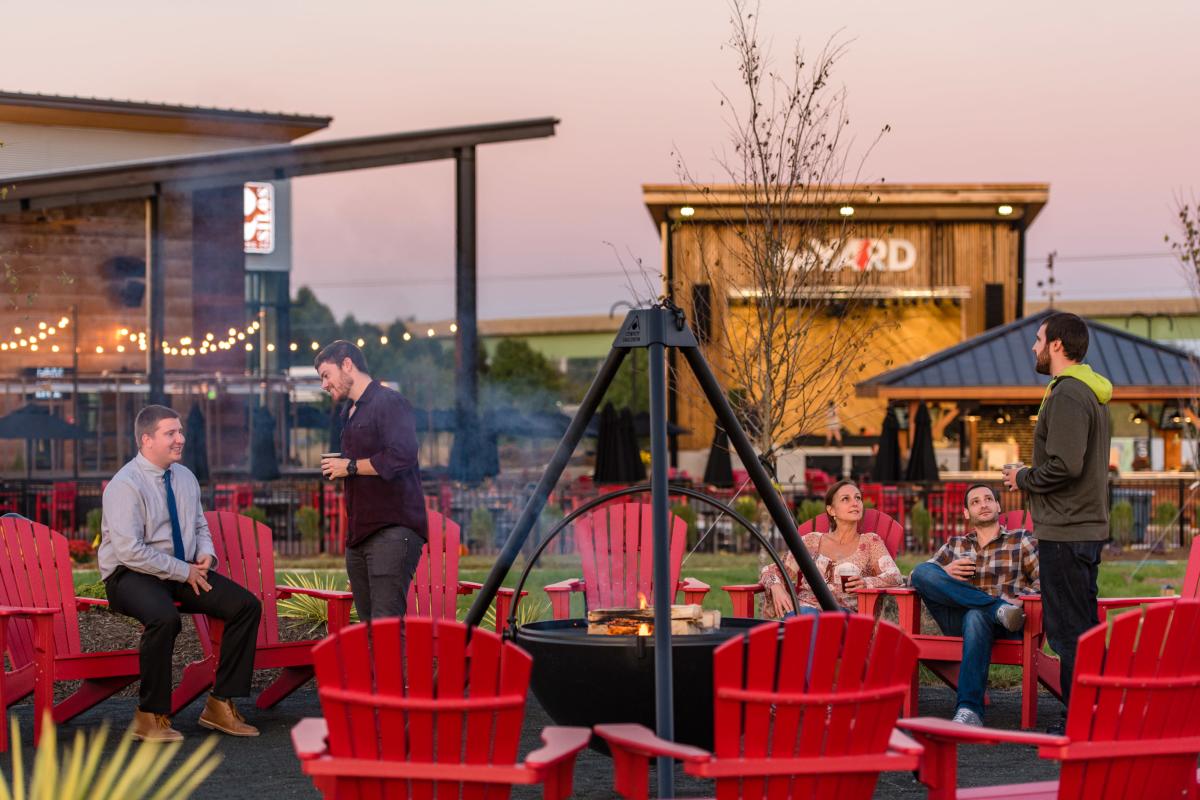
655	329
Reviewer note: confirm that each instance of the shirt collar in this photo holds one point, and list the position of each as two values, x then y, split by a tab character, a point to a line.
149	467
367	392
974	534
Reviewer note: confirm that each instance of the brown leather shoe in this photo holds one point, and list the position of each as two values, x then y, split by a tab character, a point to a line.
223	716
149	727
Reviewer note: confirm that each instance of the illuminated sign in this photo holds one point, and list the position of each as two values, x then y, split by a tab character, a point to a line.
861	255
258	201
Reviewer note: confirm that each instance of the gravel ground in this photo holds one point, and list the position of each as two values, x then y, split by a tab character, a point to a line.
265	766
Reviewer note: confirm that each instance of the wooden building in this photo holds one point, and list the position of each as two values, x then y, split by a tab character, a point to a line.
928	265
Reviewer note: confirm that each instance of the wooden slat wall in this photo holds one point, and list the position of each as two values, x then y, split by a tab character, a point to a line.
949	254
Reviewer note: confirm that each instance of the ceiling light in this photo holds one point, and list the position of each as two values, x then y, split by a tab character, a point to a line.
846	211
687	211
1004	211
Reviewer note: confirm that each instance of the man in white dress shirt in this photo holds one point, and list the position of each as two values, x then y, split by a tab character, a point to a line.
156	551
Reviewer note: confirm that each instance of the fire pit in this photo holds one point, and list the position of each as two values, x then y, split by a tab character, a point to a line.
587	679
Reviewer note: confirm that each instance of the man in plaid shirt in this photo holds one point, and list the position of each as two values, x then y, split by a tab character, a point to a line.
970	587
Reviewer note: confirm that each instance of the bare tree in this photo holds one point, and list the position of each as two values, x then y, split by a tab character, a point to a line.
787	278
1186	247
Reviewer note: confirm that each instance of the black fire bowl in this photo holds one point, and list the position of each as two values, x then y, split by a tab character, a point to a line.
586	680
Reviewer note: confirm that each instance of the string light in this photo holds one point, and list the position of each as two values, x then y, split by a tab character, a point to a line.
54	348
407	336
99	349
33	347
360	342
270	348
293	347
454	327
316	346
429	332
383	340
249	347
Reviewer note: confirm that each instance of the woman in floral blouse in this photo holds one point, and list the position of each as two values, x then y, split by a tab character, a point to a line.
842	545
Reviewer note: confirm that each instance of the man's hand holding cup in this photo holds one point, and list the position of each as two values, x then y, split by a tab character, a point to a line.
1010	471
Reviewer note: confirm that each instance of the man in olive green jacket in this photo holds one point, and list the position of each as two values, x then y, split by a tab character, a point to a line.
1067	485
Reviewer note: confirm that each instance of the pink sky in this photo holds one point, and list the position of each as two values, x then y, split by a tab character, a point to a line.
1097	99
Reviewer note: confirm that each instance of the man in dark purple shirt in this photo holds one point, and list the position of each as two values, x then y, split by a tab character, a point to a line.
385	506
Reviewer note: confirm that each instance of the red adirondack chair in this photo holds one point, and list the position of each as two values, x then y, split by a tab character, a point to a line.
872	521
435	588
780	733
1189	591
245	554
943	654
1131	727
454	729
57	506
42	636
615	544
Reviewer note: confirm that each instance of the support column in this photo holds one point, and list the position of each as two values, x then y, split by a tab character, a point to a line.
155	300
465	464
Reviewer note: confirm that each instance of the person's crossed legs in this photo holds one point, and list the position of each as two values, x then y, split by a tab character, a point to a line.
962	610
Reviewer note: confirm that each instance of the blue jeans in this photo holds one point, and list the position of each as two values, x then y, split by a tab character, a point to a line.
962	610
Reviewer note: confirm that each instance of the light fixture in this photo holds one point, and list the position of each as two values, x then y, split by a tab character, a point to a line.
186	340
1005	211
454	327
999	419
17	331
123	332
54	348
241	337
687	211
208	337
99	349
233	331
270	348
1138	417
383	340
24	342
249	347
316	346
407	336
360	341
846	211
429	332
41	326
293	347
120	348
62	323
42	335
33	347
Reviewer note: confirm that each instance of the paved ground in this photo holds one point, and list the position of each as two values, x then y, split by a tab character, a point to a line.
265	767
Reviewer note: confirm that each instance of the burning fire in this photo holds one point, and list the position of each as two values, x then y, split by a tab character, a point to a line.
641	601
643	629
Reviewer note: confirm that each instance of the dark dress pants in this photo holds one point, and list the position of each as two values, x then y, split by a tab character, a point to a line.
151	601
1068	573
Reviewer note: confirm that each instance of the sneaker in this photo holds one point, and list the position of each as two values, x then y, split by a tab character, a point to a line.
965	716
1010	616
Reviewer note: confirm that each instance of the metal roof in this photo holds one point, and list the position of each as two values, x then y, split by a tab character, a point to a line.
146	178
999	365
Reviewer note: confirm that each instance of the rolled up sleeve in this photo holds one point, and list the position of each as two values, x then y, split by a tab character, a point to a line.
124	527
204	542
397	432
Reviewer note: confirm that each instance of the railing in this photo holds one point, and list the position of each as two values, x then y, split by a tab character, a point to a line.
1159	512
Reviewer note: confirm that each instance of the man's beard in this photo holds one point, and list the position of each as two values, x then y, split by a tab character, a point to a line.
1043	363
977	521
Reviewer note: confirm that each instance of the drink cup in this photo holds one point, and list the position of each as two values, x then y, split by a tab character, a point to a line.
1014	465
330	455
845	572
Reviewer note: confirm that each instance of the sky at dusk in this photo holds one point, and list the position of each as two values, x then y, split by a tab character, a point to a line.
1097	99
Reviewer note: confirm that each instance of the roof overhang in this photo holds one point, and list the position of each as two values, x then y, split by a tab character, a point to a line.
1002	395
137	179
916	202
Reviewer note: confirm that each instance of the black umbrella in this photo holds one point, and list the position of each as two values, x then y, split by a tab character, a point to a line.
264	463
719	469
607	442
632	468
34	423
887	459
195	451
922	463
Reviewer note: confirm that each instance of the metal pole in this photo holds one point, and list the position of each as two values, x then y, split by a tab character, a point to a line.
664	590
762	482
520	532
466	352
156	292
75	382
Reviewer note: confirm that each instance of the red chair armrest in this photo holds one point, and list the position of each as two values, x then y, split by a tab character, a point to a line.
309	738
569	585
898	742
693	585
322	594
640	740
560	743
466	587
1129	602
745	587
945	730
901	591
26	611
84	603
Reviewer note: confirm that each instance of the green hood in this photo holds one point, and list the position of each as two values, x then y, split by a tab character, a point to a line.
1100	385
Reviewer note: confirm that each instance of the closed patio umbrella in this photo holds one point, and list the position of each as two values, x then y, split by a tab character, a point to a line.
632	468
264	462
35	423
922	462
195	449
887	459
719	469
607	445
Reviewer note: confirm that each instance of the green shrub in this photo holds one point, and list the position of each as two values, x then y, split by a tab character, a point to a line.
481	529
312	611
1165	513
809	509
93	521
922	524
308	521
528	610
688	514
748	508
1120	522
95	589
255	513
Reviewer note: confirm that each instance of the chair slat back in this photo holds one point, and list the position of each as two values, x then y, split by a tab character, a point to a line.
1142	684
246	555
1017	520
35	570
782	692
434	589
466	710
616	548
1191	579
873	521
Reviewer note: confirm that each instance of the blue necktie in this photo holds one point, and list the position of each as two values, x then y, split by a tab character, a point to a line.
176	533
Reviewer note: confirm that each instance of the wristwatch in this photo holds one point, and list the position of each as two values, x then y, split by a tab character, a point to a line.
352	468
